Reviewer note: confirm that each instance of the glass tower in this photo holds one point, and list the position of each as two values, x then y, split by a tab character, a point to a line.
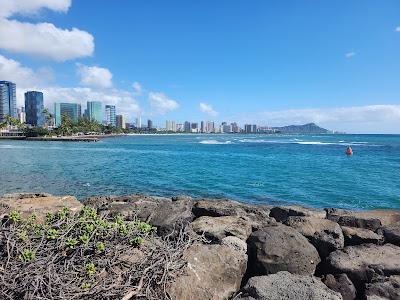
8	100
34	108
110	115
94	111
70	110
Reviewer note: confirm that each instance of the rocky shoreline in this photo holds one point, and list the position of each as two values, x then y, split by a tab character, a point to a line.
261	252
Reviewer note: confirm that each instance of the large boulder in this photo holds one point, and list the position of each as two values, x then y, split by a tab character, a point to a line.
369	219
325	235
362	261
356	236
392	233
213	272
284	285
384	288
39	204
257	214
342	284
216	228
282	213
281	248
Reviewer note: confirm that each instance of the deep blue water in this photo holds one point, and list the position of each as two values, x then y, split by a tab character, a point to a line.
310	170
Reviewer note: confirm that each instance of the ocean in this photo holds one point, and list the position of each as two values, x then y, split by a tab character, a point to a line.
311	170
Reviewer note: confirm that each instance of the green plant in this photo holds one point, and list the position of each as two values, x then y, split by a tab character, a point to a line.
50	218
100	247
27	255
84	238
15	216
89	228
63	213
90	269
89	213
52	234
85	286
22	235
71	243
137	241
144	227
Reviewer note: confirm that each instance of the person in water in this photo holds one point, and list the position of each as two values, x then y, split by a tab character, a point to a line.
349	151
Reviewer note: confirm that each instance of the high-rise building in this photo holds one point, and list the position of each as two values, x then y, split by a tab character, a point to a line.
139	122
121	121
34	109
170	126
247	128
210	127
202	127
235	127
179	127
110	115
254	128
149	124
94	111
70	110
8	100
187	127
226	128
21	115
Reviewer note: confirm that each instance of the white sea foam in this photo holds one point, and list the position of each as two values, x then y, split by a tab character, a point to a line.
214	142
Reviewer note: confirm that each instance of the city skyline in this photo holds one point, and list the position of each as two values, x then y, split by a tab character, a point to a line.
253	71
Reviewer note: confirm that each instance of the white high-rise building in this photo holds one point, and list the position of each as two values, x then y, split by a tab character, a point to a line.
139	122
170	126
210	127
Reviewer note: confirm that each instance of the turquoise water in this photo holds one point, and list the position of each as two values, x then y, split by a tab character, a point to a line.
310	170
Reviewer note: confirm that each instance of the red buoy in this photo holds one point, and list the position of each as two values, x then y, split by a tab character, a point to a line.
349	151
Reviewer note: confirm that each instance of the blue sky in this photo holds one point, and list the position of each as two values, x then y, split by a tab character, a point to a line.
336	63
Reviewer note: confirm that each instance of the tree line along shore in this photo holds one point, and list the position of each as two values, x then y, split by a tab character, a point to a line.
148	247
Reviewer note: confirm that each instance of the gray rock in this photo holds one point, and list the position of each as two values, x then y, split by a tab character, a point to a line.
17	196
257	214
356	236
392	233
216	228
235	243
369	219
282	213
325	235
362	261
212	272
281	248
384	288
342	284
286	286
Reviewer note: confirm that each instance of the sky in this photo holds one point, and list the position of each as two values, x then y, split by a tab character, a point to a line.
273	63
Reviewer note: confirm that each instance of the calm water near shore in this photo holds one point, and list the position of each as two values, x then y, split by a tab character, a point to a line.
310	170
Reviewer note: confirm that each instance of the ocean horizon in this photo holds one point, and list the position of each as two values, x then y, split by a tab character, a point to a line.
310	170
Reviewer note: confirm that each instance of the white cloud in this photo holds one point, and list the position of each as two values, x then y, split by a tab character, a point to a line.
208	109
45	40
161	104
30	7
137	87
357	119
94	76
350	54
397	29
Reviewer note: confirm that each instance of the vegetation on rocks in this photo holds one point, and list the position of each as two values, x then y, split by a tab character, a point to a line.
85	256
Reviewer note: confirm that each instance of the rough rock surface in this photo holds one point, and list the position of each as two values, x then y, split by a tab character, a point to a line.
370	219
40	204
342	284
216	228
166	214
362	261
392	233
213	272
284	285
281	248
325	235
384	288
257	214
282	213
356	236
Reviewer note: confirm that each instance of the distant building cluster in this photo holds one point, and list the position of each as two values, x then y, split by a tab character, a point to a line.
35	114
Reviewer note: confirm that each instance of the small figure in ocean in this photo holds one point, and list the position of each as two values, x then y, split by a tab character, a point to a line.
349	151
